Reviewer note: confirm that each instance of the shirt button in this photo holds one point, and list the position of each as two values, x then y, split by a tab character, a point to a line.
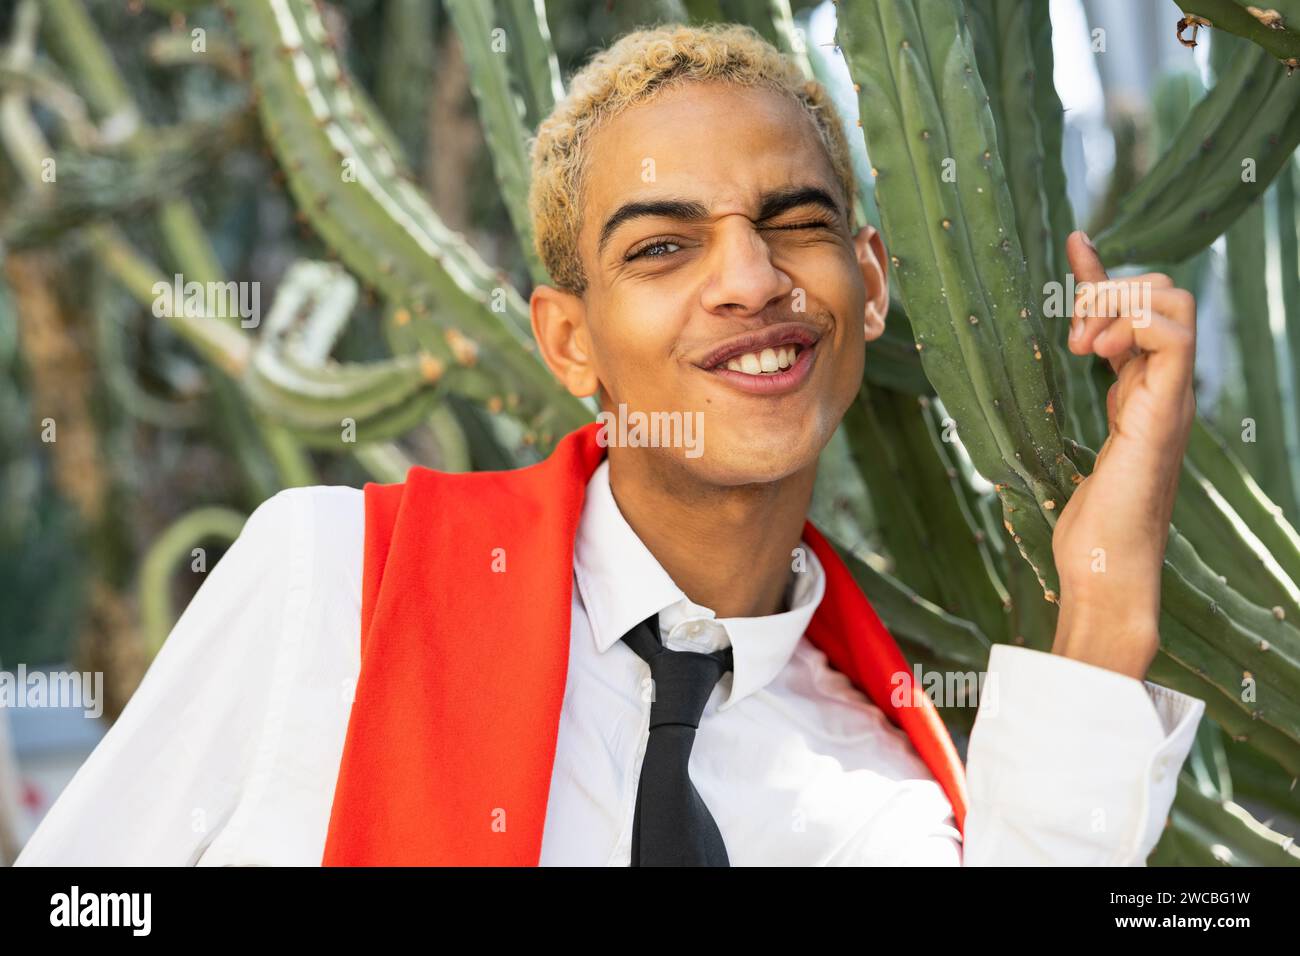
1162	768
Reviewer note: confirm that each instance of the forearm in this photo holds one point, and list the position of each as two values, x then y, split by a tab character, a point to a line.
1122	637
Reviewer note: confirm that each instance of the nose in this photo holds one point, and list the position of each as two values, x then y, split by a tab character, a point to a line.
742	277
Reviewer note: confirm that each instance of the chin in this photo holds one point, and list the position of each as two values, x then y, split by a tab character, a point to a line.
751	456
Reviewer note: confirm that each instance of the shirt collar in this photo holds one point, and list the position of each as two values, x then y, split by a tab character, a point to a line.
622	583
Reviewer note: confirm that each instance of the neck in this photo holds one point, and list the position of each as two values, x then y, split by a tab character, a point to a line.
727	548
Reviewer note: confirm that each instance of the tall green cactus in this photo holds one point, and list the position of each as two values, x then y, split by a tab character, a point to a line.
539	70
1265	446
272	455
1272	30
1262	427
1235	141
1207	829
938	547
291	380
950	225
173	546
502	123
1013	47
353	189
1288	248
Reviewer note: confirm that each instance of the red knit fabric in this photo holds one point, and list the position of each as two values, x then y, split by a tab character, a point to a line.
464	652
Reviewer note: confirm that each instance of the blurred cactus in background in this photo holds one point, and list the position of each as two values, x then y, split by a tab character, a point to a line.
154	185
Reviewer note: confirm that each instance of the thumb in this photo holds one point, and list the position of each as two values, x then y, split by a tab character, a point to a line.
1084	261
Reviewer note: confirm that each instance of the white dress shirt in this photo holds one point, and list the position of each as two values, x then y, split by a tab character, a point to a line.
228	752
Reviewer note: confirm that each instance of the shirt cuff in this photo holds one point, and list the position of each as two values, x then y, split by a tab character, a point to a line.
1071	764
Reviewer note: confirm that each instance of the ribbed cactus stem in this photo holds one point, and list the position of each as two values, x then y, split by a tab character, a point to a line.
1259	24
1266	452
937	545
908	615
1232	145
406	72
1086	407
1001	35
1213	527
1209	830
926	117
351	188
292	380
85	54
168	550
540	68
950	226
1283	206
1211	459
1221	639
487	49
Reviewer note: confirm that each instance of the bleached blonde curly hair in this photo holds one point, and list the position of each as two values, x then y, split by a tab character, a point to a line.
631	71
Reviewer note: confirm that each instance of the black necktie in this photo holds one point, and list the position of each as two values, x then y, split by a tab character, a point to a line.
671	825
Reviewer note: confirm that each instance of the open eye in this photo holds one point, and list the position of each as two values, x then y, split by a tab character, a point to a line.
653	244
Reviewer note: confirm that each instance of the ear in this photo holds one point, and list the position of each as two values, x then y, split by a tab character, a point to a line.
870	249
559	322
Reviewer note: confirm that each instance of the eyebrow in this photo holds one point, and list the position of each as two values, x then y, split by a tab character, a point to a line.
771	205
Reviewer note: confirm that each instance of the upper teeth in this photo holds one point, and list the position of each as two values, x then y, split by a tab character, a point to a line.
768	360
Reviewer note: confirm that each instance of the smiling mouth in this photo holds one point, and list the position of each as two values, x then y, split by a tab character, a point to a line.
762	351
770	361
770	371
766	361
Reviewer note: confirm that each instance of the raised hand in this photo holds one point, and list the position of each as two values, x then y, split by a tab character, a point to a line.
1110	539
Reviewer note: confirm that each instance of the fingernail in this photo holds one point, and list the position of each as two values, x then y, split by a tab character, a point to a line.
1076	327
1087	241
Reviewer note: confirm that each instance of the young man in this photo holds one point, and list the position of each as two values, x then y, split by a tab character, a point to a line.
636	655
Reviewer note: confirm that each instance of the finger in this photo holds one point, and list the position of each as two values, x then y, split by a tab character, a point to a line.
1132	375
1154	280
1096	305
1119	362
1169	344
1100	303
1157	280
1176	304
1084	261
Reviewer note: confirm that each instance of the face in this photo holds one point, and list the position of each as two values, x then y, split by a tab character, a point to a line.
722	279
